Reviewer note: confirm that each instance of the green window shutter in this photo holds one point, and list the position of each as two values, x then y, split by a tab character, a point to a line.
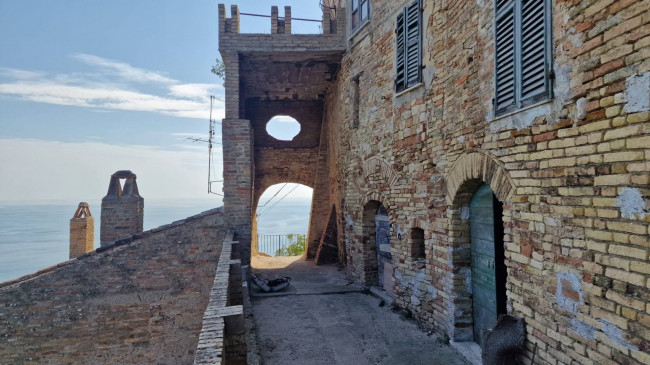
504	63
413	41
534	63
400	59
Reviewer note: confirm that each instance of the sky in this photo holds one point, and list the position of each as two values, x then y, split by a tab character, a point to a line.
91	87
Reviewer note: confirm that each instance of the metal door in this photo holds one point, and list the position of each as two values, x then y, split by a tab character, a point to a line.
382	239
484	286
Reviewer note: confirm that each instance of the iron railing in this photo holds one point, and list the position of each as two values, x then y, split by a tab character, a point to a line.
270	244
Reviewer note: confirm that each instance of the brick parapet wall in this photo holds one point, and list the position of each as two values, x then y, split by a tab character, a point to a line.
576	257
221	340
136	300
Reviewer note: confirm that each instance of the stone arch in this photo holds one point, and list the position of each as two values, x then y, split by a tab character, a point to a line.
466	175
367	240
479	165
377	169
258	192
267	181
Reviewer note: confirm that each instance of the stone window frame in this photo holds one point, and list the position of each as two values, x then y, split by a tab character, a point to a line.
406	84
356	14
512	10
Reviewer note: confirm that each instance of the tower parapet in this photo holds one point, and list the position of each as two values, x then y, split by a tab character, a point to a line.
122	208
82	231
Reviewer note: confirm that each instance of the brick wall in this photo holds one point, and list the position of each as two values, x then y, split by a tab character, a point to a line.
122	208
82	231
138	300
570	172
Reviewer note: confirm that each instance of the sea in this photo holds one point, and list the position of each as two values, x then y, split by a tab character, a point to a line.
36	236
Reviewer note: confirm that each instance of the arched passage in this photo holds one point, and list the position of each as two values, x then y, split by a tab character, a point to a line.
281	220
477	188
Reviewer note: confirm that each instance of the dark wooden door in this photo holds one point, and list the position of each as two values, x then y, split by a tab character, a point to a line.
484	277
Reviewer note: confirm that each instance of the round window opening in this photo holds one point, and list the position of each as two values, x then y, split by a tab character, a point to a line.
283	127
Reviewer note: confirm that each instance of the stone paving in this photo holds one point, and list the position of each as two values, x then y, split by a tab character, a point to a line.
326	319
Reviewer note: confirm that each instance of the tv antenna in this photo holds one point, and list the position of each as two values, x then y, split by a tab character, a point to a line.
211	168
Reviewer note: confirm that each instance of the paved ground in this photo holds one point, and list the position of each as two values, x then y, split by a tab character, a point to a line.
325	319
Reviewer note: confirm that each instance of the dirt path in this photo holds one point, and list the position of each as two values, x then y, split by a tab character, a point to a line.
326	319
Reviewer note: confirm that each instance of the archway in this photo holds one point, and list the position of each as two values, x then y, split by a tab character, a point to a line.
477	184
281	220
378	266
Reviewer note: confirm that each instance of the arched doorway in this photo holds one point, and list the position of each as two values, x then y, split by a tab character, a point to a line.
378	266
488	270
281	221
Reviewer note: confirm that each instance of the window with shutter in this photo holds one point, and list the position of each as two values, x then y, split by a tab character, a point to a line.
522	54
400	75
408	47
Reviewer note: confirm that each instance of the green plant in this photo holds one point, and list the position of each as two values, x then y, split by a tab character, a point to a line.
296	247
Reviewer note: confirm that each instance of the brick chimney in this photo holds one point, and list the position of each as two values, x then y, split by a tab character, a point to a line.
82	231
122	208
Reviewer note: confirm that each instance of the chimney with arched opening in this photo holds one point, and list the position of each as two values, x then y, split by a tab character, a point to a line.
122	208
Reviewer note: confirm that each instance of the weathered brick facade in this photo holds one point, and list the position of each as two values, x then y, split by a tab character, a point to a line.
139	300
572	172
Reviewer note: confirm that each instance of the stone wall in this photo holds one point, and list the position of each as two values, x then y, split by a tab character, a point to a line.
572	173
138	300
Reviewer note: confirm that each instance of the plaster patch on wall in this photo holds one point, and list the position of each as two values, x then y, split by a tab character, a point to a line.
631	203
464	213
523	119
614	333
574	37
581	109
583	329
568	284
637	93
461	139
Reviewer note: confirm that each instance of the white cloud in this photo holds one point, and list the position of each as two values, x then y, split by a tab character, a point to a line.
124	70
196	91
42	170
20	74
93	90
